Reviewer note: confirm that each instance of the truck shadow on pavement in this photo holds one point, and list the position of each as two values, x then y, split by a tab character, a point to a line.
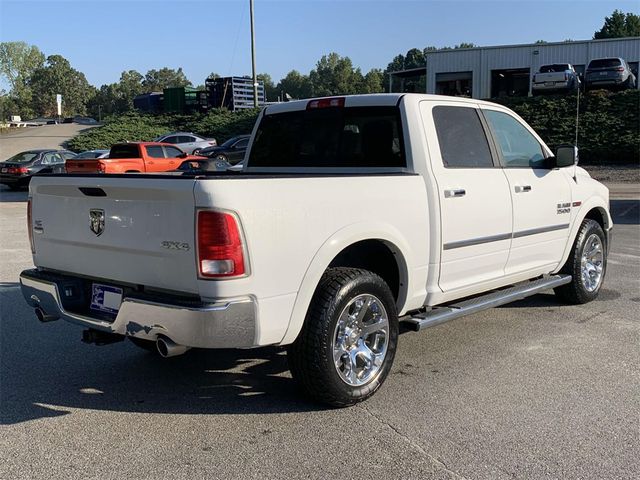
10	196
625	212
45	371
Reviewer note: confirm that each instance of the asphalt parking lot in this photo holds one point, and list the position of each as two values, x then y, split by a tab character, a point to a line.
531	390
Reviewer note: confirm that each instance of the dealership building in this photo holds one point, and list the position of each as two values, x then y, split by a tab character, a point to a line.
507	70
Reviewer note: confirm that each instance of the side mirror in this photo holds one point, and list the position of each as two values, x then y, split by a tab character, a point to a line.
183	155
566	155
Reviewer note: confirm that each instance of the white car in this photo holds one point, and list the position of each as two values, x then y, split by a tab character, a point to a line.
351	214
187	142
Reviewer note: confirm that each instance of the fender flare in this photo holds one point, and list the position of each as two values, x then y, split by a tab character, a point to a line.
330	249
585	208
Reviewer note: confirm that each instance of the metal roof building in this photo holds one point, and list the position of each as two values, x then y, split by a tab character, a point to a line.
507	70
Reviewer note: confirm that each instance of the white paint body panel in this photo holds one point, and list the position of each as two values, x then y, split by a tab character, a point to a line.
294	226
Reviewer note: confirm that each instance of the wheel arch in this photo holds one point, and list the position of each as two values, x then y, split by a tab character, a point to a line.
594	209
350	247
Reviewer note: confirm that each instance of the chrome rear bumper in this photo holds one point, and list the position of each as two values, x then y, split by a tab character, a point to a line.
224	324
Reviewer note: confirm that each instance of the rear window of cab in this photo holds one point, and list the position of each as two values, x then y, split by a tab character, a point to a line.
333	137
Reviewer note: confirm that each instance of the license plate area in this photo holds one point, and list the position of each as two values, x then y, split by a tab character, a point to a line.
549	84
105	298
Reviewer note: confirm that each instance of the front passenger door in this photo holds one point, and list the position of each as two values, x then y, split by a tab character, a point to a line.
541	196
475	205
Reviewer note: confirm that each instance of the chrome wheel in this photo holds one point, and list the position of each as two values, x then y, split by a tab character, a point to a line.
592	263
360	340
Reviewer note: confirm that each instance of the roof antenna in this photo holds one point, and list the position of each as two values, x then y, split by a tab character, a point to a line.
577	125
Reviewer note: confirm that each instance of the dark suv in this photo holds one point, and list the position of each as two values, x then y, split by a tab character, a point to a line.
609	72
17	171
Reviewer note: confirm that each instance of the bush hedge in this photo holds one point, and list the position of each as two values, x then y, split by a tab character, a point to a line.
609	123
133	127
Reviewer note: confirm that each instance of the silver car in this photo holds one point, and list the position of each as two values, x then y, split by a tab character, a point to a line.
609	72
187	142
93	154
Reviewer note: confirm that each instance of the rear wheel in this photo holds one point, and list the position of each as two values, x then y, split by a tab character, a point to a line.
221	158
348	342
587	265
196	152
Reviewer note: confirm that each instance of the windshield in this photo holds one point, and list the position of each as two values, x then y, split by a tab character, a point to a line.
24	157
560	67
330	137
605	63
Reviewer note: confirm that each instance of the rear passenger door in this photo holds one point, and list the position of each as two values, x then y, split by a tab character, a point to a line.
541	196
473	192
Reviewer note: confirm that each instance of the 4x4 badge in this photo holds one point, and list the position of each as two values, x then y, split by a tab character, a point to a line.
96	221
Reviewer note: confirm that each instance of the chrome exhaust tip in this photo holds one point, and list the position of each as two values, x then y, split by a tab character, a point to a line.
168	348
43	317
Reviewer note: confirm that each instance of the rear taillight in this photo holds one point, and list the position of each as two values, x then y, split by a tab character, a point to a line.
30	226
22	170
220	247
213	143
326	103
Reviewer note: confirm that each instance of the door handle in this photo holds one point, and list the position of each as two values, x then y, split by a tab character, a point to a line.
456	192
521	188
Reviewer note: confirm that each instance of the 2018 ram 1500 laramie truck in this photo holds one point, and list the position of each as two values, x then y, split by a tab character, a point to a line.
351	214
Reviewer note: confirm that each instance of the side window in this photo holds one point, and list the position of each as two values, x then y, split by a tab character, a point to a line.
188	139
172	152
242	143
518	146
463	143
172	139
57	158
48	159
155	151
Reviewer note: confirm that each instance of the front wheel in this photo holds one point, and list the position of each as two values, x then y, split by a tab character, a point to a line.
587	265
348	342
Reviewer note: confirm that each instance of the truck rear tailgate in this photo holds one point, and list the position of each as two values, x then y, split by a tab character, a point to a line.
117	228
83	165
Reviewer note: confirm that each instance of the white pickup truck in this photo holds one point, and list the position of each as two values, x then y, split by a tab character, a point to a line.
351	214
554	78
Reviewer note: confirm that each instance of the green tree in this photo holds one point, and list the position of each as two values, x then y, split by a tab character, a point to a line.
465	45
619	25
335	75
128	87
158	80
373	81
18	61
58	77
295	85
270	90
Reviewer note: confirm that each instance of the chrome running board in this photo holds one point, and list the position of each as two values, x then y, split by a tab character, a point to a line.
438	315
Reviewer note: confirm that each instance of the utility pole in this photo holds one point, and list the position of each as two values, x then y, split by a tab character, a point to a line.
253	57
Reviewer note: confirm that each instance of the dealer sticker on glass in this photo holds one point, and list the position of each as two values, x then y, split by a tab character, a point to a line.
105	298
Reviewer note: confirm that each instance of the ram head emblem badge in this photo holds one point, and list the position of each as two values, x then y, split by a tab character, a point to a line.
96	221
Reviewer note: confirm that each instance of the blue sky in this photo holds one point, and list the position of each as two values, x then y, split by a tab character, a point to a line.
104	37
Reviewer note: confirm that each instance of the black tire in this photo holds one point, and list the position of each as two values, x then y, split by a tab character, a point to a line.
577	292
196	152
311	355
221	157
148	345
